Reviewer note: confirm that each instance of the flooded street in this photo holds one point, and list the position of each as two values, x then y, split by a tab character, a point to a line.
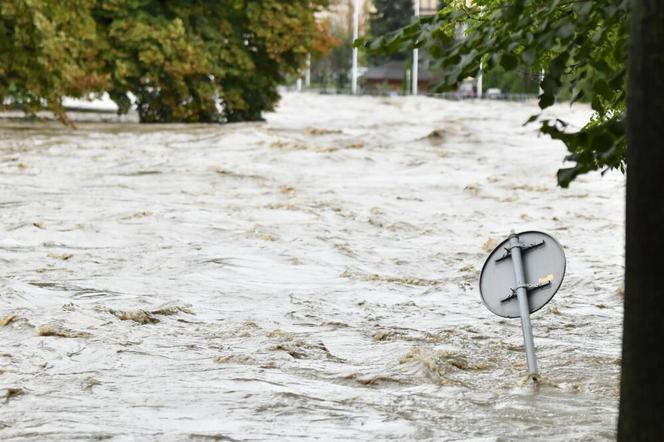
311	277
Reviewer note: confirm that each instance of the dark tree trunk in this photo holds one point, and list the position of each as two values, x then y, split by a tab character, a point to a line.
642	381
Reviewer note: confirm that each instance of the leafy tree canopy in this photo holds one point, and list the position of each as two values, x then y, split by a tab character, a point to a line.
47	51
389	16
182	60
580	45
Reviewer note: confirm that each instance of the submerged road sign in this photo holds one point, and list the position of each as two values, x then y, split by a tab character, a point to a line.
520	277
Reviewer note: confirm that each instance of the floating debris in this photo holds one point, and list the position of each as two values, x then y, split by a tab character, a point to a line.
530	188
8	320
61	256
439	366
141	316
235	359
355	145
473	189
489	245
373	379
138	215
231	174
298	348
260	233
288	145
173	310
90	382
138	316
436	136
391	279
315	131
11	393
60	331
384	335
288	190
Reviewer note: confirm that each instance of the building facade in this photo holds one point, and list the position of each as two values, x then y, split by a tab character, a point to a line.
340	13
428	7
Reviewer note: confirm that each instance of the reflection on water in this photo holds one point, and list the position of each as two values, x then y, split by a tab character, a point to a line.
314	276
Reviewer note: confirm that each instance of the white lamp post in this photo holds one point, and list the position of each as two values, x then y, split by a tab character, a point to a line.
356	31
416	53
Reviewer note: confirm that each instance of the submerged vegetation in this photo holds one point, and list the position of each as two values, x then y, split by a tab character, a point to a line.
180	61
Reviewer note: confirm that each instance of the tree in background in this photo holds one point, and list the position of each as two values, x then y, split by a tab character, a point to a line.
184	61
580	45
48	51
389	16
334	68
517	81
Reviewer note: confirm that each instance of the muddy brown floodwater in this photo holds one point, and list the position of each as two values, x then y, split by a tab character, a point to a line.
311	277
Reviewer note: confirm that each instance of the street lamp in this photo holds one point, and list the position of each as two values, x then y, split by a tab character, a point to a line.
416	4
356	31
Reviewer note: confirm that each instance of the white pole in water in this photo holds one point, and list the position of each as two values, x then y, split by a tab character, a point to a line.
416	52
480	81
307	72
356	31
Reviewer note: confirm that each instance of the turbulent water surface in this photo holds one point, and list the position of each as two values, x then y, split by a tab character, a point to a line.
311	277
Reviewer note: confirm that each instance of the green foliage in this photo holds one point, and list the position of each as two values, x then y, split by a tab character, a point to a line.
47	52
389	16
182	60
336	65
580	45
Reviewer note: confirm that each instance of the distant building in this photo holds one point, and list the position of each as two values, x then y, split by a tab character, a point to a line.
340	13
428	7
392	76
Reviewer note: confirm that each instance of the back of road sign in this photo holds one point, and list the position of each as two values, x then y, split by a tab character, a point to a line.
544	268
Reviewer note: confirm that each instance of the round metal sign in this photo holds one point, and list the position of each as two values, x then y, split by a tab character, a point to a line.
544	268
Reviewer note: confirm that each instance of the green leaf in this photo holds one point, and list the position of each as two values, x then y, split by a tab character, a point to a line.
597	105
528	56
583	8
508	61
567	175
566	30
531	119
546	100
602	88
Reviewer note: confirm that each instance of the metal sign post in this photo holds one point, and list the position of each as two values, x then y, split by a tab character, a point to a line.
522	298
521	276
